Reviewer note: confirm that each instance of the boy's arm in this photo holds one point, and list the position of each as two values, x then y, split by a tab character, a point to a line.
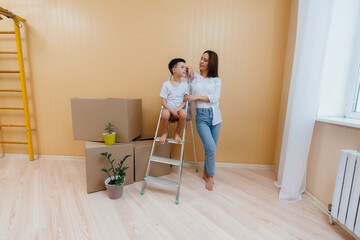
167	107
186	93
180	107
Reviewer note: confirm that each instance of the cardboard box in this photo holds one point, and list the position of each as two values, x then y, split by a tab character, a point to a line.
90	117
94	163
142	150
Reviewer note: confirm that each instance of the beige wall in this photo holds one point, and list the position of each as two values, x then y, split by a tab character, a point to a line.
328	140
287	79
121	49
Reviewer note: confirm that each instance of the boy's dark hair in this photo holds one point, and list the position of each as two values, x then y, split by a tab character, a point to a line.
174	62
213	63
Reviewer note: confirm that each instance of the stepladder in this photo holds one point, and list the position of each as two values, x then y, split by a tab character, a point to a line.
23	89
172	162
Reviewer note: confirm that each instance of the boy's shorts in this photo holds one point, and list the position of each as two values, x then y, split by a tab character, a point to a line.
172	117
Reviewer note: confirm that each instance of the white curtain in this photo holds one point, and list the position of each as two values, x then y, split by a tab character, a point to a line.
314	19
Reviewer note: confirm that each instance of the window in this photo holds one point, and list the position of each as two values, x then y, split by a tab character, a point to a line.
353	110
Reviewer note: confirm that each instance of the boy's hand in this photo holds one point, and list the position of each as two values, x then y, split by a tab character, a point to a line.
175	114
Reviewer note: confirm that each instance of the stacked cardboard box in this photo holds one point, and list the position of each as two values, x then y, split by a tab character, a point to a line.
94	162
142	150
90	116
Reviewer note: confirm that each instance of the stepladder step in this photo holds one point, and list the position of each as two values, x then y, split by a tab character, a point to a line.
165	160
161	181
169	140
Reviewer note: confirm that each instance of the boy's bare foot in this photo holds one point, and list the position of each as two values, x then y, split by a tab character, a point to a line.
177	138
210	183
163	138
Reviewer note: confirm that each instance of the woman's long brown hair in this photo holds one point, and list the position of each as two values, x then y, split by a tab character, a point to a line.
213	64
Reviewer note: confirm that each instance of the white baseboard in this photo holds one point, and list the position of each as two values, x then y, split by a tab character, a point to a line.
241	165
324	208
59	157
37	157
316	201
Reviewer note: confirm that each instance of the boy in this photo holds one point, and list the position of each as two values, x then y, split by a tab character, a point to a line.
172	99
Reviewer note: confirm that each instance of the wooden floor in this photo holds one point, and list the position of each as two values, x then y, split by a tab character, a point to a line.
47	199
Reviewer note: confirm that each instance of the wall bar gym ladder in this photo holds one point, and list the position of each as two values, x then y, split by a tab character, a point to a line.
23	89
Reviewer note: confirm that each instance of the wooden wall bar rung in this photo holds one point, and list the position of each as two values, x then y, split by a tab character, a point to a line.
9	71
8	52
13	142
11	108
11	125
7	32
5	12
10	90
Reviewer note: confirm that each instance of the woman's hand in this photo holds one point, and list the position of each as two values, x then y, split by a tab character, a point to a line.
196	98
190	72
190	98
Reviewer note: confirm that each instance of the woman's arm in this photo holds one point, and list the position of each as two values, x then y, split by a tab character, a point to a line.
215	95
197	98
211	98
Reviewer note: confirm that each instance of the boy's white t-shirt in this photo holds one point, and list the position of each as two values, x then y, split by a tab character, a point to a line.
174	95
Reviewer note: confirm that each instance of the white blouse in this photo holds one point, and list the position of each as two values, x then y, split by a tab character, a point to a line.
209	87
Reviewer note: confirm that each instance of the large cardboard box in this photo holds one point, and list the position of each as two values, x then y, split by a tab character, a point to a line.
142	150
94	163
90	117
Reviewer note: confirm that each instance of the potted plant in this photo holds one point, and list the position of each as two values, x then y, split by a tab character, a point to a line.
114	184
110	135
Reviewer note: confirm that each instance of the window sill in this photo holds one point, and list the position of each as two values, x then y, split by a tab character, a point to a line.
349	122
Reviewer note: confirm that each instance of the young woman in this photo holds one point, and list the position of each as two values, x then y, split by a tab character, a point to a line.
205	91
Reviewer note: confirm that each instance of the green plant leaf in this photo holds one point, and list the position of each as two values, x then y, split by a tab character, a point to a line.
110	156
122	161
104	170
119	181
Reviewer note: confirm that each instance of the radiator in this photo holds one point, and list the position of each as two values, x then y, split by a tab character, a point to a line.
345	205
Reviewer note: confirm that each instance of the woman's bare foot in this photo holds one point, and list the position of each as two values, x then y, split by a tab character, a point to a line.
206	176
163	138
177	138
210	183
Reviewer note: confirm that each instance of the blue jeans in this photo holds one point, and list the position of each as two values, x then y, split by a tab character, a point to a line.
209	135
